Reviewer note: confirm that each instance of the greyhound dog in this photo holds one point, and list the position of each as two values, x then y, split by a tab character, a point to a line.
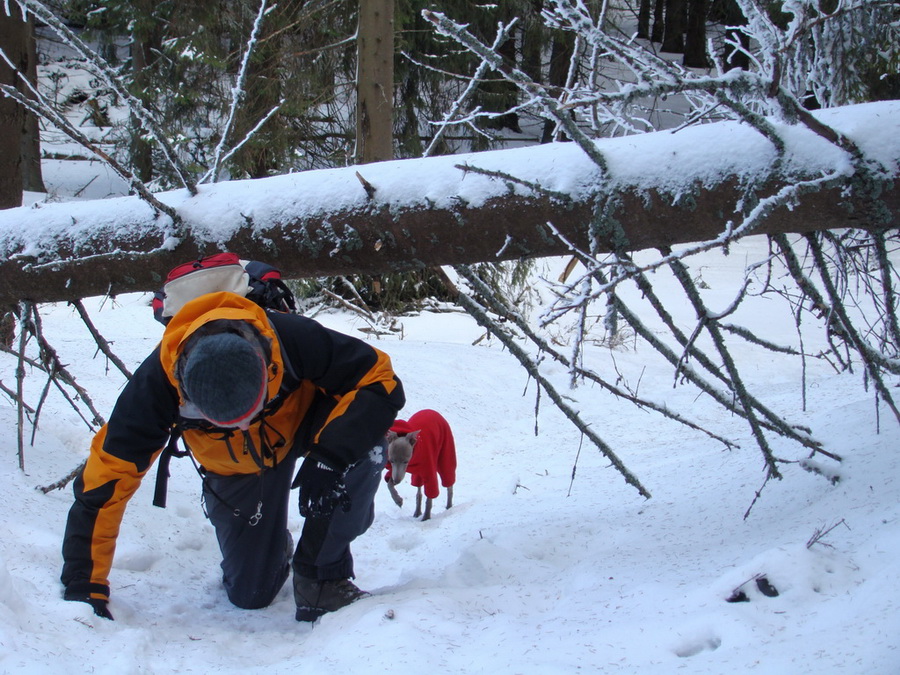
423	447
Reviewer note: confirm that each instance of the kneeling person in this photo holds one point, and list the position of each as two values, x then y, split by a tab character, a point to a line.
251	392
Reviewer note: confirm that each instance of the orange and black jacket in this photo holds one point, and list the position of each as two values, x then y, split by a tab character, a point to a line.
339	390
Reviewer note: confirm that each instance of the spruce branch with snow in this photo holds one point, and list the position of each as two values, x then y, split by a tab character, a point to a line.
786	64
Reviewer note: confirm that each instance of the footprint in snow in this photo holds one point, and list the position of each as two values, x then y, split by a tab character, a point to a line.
694	647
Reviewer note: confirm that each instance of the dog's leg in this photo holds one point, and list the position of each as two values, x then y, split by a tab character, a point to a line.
398	500
450	497
418	503
427	509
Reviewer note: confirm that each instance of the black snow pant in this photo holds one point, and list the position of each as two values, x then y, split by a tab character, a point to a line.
250	515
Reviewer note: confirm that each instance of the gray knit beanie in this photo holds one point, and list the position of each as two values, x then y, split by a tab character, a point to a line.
224	377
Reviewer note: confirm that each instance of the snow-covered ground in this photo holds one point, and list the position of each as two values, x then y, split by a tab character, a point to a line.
530	571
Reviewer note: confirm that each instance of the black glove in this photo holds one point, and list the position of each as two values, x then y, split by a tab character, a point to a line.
99	605
321	489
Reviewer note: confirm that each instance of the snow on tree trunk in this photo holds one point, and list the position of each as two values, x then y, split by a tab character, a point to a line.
668	189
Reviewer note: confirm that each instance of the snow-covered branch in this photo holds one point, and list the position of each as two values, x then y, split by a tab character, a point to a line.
765	98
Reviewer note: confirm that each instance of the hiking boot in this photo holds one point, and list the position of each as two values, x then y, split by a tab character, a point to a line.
315	598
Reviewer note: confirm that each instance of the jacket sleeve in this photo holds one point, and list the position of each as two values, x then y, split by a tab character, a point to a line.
121	454
358	378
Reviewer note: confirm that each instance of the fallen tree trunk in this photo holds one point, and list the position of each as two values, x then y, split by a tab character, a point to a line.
661	188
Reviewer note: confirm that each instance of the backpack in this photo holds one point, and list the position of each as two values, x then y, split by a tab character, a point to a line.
252	279
256	281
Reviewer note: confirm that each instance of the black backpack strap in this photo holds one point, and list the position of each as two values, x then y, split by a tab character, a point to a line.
162	468
268	289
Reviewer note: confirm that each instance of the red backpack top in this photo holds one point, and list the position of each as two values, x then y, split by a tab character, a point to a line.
254	280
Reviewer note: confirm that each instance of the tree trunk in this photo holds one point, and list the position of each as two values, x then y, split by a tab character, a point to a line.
32	176
259	157
695	39
146	41
375	81
673	41
659	21
326	223
499	95
560	57
533	41
13	32
643	26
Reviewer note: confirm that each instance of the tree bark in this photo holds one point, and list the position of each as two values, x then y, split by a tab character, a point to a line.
262	154
659	21
375	81
643	26
380	238
12	115
490	206
32	176
695	38
676	13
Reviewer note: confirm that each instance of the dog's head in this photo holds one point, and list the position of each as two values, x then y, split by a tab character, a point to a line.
400	452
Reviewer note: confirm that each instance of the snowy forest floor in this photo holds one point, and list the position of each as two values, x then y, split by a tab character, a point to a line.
531	571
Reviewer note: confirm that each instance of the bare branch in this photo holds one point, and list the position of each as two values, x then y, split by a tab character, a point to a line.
476	311
101	341
237	96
